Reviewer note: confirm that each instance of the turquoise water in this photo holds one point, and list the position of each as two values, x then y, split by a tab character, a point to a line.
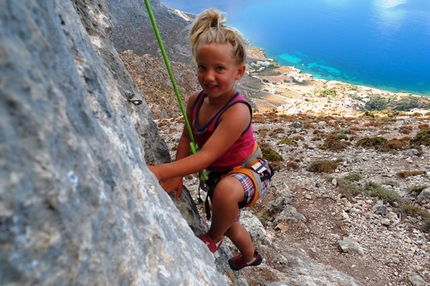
380	43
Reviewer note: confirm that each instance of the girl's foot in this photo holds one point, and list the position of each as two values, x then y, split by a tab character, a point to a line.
210	243
237	262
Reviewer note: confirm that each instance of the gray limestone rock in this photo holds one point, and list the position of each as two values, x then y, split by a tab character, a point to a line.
78	205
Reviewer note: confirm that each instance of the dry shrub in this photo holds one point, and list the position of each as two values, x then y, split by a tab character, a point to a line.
310	126
277	131
299	137
405	174
406	129
333	124
368	142
258	118
424	126
323	166
335	142
416	190
396	144
373	123
291	165
355	128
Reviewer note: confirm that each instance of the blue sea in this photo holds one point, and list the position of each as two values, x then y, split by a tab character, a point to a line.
379	43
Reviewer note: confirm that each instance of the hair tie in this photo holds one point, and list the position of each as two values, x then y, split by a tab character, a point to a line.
213	25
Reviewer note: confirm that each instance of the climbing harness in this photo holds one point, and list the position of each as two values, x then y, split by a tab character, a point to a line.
252	167
193	145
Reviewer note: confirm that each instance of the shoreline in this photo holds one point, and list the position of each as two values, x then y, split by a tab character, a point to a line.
289	90
258	53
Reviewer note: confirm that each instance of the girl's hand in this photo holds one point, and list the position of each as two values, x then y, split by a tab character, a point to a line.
173	184
170	184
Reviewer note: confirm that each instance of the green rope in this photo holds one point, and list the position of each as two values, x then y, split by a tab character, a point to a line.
193	145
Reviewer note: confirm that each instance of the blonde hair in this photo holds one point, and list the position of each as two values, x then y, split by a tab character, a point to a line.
209	27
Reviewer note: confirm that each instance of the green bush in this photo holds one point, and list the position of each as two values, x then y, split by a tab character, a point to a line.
422	138
271	155
369	142
354	177
415	211
417	189
375	190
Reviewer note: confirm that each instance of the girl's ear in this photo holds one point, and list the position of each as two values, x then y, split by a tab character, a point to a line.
240	72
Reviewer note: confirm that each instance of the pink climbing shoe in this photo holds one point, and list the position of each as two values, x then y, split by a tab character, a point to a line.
210	243
237	262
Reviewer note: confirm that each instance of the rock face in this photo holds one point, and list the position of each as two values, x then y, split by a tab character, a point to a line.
77	204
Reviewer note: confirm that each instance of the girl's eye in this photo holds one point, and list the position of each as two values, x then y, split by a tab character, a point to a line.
200	67
220	68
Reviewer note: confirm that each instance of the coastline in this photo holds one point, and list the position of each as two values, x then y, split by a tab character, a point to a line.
289	90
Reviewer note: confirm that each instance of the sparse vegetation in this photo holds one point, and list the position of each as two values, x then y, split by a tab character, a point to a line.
405	174
417	212
379	102
349	183
369	142
376	190
335	142
422	138
271	155
323	166
291	165
416	190
287	141
327	92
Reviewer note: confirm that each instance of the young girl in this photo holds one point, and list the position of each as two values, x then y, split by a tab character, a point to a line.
221	124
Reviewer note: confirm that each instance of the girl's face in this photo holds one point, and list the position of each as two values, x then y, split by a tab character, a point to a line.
217	70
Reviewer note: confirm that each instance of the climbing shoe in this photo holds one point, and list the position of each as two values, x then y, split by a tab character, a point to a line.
210	243
237	262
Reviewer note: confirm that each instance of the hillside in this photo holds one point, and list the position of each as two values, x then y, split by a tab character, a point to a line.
352	188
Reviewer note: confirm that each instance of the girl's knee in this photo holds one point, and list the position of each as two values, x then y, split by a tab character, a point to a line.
229	188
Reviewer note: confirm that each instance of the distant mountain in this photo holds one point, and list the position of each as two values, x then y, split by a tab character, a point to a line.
133	29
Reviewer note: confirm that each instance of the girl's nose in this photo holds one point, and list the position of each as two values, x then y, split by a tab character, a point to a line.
209	76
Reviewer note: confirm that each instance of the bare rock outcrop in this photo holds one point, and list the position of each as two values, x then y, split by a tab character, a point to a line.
78	205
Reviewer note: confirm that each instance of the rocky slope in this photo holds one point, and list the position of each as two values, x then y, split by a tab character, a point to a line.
368	216
323	217
333	216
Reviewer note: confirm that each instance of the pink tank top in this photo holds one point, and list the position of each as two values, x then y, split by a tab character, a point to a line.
239	151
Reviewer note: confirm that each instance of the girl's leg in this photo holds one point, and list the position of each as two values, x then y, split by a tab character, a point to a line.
241	238
225	206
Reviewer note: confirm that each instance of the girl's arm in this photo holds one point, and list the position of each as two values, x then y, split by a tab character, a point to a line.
175	183
231	125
